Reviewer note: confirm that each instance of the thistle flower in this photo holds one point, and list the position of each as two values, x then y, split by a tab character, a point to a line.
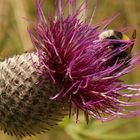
72	55
71	66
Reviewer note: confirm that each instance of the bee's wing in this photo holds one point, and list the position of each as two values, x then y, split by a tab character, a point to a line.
132	37
134	34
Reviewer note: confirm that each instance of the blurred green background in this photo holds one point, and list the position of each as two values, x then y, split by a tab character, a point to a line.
17	15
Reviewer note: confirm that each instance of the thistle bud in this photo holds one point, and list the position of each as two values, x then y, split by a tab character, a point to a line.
25	107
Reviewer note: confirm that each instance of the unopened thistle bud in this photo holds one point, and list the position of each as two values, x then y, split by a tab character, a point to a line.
74	64
25	107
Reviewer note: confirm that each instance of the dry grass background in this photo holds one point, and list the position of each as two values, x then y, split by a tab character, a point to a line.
17	15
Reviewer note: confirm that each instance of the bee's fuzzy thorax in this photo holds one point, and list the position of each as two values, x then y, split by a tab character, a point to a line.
107	33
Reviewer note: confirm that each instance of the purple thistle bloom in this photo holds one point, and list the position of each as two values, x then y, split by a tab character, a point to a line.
72	56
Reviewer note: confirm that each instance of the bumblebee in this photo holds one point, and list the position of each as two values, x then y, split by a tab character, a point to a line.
116	35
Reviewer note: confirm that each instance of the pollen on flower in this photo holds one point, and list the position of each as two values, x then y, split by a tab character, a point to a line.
73	56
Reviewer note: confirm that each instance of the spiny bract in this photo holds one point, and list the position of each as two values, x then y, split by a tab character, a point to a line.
25	108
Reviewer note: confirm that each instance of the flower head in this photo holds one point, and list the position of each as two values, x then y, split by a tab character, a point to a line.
72	56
